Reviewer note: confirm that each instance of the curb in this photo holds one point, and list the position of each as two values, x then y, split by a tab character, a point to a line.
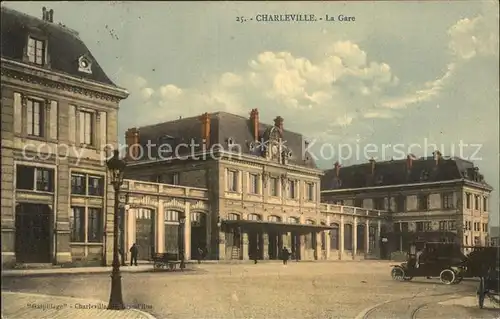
142	313
107	272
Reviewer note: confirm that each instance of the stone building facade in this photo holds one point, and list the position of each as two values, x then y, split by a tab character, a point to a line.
264	193
434	197
59	111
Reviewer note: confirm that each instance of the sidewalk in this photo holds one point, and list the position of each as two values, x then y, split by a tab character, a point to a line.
33	306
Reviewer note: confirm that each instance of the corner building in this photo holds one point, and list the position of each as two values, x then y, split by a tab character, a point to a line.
264	193
57	103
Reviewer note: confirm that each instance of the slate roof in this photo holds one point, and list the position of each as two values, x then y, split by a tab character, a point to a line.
395	172
223	126
64	45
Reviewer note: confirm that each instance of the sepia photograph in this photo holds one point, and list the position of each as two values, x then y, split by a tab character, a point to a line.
250	159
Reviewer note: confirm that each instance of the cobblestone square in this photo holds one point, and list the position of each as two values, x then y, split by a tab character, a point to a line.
348	289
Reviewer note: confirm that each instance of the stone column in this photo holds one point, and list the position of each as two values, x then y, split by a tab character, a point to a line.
327	238
341	239
378	238
222	245
187	231
265	248
303	247
161	227
245	246
355	237
367	237
285	240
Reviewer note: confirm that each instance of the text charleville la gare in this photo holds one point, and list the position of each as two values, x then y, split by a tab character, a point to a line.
299	18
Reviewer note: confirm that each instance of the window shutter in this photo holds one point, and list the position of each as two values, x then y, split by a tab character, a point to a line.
18	111
53	116
72	124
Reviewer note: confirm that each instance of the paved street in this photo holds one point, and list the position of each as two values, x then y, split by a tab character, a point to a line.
270	290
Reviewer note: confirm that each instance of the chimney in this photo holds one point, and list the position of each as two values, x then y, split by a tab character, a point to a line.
337	169
132	140
409	162
254	119
278	122
44	14
205	128
51	15
372	161
437	156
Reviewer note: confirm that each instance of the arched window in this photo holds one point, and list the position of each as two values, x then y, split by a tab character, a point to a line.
348	237
334	236
233	216
274	219
254	217
171	216
293	220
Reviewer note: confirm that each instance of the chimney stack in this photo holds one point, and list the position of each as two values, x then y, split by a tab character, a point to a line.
254	119
337	169
44	14
409	162
51	15
437	156
132	140
372	161
278	122
205	128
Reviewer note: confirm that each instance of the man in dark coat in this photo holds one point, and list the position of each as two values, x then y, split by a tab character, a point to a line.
134	252
285	254
256	254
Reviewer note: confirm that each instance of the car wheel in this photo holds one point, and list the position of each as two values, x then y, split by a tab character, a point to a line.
447	276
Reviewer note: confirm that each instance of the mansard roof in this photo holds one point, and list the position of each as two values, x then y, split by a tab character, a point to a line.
398	172
64	46
224	126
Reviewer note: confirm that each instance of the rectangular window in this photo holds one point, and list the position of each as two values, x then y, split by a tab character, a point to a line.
232	181
401	204
86	128
310	191
423	202
36	51
452	225
447	200
485	204
77	224
358	202
34	178
253	184
274	186
379	203
95	222
467	200
79	184
443	225
96	185
291	189
397	227
34	117
404	227
476	202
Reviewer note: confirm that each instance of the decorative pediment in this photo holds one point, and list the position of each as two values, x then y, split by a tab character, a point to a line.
199	205
143	200
173	204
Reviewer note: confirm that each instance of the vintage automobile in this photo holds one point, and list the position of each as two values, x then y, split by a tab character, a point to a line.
485	264
432	259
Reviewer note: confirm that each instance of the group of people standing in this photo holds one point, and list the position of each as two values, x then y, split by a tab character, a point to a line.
284	255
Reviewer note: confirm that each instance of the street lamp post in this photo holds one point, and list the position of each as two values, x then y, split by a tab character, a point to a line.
116	168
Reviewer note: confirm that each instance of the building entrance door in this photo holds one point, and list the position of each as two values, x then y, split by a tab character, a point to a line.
255	245
198	234
33	233
145	234
274	245
295	246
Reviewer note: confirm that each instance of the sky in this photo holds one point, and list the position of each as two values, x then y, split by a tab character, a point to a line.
401	77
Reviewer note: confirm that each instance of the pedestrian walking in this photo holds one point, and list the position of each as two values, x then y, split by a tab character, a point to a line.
200	255
285	254
134	252
256	255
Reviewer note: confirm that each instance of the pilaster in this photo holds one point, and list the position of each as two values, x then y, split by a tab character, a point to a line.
161	227
354	237
367	237
222	245
328	236
341	239
187	230
318	253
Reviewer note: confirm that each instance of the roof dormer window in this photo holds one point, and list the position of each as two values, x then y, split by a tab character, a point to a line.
36	51
84	64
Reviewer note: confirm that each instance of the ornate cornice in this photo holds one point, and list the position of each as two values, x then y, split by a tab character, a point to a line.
38	80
